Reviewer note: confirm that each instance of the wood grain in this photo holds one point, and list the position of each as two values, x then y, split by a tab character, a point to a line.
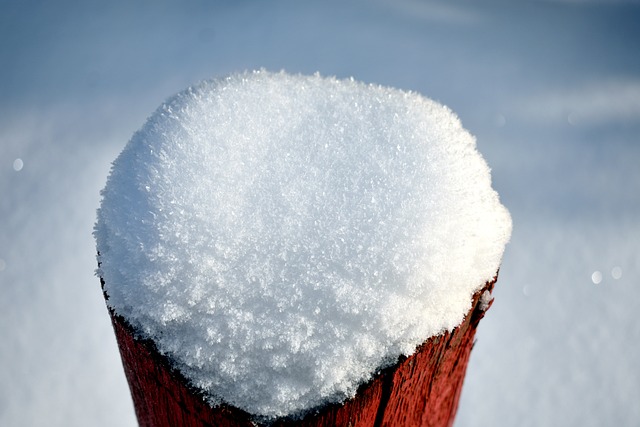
420	390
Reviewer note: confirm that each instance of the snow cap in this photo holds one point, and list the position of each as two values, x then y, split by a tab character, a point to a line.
281	238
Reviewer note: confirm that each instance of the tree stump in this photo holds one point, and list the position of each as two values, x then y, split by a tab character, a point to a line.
420	390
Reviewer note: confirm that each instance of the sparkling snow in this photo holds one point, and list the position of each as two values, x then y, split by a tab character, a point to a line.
283	237
78	78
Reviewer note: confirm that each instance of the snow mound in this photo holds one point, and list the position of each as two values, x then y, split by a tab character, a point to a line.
283	237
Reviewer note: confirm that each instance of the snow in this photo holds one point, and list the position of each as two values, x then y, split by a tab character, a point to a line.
283	237
485	300
79	78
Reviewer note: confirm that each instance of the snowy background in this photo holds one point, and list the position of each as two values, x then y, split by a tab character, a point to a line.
550	89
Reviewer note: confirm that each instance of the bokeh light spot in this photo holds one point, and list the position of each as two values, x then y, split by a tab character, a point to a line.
596	277
616	272
18	164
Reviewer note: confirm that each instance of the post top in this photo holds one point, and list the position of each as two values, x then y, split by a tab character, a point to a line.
283	237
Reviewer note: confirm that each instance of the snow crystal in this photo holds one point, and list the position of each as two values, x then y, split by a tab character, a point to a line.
283	237
485	300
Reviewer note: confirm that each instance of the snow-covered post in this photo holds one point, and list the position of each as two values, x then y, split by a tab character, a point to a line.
297	250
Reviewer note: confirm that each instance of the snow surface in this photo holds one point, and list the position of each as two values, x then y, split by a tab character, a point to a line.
555	349
283	237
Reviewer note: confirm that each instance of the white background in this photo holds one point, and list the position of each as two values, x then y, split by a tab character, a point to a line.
550	89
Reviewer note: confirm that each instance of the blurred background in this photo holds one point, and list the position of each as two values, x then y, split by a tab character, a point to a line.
551	90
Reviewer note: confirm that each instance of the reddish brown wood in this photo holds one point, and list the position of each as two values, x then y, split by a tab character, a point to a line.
421	390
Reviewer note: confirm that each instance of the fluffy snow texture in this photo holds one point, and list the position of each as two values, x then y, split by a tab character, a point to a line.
283	237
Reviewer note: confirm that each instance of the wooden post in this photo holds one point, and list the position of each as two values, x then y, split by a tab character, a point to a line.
420	390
